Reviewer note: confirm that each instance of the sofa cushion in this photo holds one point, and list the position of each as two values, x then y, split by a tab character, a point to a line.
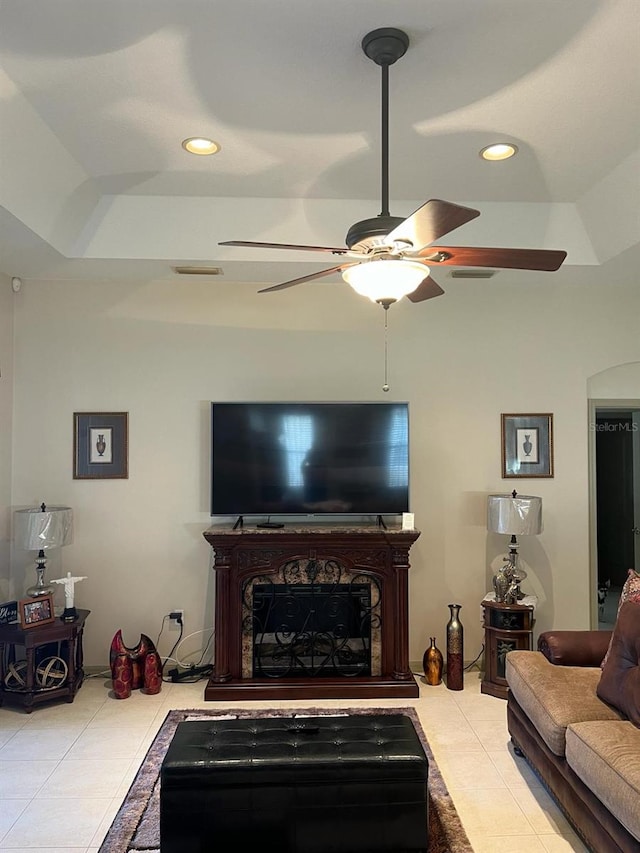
555	696
630	592
620	681
606	757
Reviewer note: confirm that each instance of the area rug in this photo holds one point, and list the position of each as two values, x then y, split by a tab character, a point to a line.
137	825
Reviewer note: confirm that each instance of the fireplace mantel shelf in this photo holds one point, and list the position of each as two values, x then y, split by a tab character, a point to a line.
244	553
310	530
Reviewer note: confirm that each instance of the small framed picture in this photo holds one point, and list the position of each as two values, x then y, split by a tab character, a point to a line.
100	445
36	611
8	612
527	445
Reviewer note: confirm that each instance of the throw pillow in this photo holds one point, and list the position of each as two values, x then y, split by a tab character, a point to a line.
630	592
619	683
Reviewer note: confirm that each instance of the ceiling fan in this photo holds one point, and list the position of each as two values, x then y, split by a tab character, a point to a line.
388	257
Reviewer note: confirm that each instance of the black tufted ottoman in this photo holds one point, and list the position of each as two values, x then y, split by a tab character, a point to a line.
353	784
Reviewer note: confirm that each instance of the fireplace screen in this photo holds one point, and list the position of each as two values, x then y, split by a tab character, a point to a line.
304	626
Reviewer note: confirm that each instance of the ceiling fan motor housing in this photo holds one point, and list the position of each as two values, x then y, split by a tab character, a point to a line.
367	233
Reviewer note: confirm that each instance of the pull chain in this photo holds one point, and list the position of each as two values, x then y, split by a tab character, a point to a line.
385	387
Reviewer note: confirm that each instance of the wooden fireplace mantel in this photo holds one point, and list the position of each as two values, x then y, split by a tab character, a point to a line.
245	552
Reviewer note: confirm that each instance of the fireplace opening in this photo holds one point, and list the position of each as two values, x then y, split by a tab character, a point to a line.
303	630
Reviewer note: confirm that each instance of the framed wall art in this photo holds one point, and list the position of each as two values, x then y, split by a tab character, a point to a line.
36	611
100	445
527	445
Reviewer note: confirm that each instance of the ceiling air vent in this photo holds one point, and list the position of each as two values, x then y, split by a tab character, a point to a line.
472	273
198	270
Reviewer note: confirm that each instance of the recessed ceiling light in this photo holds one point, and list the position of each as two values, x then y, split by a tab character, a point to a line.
499	151
200	145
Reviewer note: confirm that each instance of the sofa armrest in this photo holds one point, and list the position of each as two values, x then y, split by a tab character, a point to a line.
574	648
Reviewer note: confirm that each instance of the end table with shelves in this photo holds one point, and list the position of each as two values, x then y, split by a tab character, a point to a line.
507	627
65	642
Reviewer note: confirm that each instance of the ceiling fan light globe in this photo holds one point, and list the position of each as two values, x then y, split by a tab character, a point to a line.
385	279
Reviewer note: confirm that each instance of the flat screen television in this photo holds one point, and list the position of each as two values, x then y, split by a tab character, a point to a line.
309	458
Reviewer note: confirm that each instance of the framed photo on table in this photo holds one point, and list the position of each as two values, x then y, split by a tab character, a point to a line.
36	611
100	445
527	445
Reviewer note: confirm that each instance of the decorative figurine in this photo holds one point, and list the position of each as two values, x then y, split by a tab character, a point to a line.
69	614
501	582
134	667
506	584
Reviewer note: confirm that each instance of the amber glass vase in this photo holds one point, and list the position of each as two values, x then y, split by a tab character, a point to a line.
432	663
455	649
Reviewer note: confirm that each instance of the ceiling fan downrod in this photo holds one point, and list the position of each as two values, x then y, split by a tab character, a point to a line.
385	46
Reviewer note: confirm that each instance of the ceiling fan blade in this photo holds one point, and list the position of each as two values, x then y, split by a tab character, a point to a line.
427	289
334	250
304	278
547	260
431	221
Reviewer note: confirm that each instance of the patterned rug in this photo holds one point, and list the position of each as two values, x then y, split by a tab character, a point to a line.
137	825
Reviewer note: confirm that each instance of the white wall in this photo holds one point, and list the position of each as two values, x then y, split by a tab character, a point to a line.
162	351
6	406
618	383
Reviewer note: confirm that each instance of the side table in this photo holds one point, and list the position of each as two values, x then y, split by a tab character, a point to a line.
67	637
506	627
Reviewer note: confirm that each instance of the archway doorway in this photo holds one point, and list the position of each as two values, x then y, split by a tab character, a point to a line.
614	490
617	494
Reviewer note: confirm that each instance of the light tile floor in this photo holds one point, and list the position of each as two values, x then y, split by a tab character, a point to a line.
65	769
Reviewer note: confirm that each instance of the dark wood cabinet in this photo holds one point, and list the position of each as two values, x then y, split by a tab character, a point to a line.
507	627
22	651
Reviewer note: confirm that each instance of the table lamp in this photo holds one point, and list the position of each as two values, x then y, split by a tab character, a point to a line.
517	515
40	529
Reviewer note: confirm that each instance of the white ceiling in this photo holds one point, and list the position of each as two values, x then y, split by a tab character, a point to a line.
95	98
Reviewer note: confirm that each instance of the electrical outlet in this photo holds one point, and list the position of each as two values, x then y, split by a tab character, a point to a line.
176	616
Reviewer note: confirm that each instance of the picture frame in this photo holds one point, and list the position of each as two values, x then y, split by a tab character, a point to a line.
36	611
8	612
100	445
527	445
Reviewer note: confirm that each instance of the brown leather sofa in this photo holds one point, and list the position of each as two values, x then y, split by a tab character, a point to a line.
585	751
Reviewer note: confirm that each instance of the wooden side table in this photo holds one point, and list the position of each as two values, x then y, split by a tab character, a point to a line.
506	627
66	641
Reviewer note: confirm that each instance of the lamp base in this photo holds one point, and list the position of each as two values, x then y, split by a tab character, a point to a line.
40	587
38	591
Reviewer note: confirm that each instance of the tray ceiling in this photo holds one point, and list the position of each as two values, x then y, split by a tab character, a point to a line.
97	97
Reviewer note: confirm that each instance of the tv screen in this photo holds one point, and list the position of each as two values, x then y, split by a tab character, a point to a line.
309	458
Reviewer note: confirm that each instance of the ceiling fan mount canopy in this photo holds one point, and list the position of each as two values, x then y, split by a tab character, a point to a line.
386	45
384	249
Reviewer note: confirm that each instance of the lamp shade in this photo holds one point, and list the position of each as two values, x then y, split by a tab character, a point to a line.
519	516
35	529
385	278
